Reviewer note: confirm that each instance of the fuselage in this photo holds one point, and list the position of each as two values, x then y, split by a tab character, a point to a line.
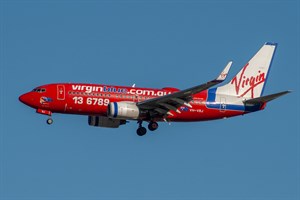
93	99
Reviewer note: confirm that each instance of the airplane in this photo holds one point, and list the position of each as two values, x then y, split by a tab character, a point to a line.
111	106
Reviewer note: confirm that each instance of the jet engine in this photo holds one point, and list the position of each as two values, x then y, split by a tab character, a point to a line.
123	110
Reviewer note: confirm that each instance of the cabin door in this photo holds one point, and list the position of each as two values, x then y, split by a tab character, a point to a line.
61	92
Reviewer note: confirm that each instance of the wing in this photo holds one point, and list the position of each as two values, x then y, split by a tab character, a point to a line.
162	105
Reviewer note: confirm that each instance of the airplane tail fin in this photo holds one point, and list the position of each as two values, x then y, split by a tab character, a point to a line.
250	81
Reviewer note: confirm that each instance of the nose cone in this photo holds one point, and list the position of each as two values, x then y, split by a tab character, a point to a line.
23	98
27	99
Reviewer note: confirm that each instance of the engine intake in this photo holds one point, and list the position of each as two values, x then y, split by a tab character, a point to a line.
123	110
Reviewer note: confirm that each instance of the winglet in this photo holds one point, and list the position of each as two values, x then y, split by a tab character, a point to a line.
224	73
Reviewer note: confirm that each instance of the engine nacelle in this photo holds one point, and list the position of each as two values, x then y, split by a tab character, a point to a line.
101	121
123	110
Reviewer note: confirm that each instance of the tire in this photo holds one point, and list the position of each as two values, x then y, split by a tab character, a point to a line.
49	121
141	131
152	126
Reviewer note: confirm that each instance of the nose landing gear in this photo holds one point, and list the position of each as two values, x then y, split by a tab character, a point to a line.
46	112
49	121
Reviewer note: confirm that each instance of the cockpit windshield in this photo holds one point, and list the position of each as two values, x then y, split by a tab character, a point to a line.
39	90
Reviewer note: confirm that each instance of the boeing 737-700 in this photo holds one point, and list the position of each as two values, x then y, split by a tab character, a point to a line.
111	106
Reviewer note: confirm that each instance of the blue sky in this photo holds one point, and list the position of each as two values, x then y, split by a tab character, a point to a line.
152	44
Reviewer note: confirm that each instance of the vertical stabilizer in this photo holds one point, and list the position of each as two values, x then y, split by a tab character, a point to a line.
250	81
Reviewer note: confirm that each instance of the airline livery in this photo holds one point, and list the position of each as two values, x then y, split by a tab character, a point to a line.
111	106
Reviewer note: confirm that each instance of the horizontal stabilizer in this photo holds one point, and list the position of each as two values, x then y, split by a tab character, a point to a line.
267	98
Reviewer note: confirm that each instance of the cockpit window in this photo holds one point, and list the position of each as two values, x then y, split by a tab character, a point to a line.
39	90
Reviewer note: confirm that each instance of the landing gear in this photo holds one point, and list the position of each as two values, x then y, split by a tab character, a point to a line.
141	130
152	126
46	112
49	121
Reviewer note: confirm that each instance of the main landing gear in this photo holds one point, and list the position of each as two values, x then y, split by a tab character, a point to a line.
152	126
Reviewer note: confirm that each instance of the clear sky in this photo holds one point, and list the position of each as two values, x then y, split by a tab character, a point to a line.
152	44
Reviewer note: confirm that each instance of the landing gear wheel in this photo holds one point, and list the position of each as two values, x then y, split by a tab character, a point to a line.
141	131
152	126
49	121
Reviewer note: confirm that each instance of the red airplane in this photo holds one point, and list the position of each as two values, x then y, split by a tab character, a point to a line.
111	106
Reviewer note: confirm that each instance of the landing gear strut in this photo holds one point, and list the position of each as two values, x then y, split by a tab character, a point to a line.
141	130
